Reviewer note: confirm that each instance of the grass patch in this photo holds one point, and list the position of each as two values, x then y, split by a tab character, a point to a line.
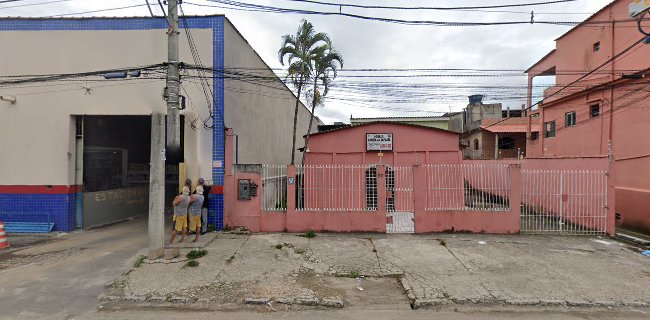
442	242
138	263
278	246
309	234
354	274
196	253
225	228
210	227
192	263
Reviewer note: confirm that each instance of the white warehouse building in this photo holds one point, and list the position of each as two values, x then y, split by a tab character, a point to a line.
75	150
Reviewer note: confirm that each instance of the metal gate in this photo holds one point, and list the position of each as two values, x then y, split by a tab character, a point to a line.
400	216
564	202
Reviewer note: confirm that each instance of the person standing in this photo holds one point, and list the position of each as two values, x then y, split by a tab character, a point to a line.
194	210
204	208
180	203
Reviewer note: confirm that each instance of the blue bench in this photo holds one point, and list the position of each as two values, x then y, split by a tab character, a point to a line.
28	227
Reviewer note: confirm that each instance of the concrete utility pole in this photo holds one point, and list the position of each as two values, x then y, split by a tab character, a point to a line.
157	170
173	80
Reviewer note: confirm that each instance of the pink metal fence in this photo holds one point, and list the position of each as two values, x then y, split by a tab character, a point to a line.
467	187
336	188
568	202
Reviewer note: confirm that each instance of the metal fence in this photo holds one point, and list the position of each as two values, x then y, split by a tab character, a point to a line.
399	189
336	188
467	187
564	202
274	187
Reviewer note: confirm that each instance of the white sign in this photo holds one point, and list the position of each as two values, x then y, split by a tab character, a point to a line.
217	164
379	142
291	180
637	7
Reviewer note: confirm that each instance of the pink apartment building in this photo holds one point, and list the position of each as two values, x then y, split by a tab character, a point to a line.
606	113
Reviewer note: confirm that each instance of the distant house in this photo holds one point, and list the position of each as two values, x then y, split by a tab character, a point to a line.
605	112
440	122
489	132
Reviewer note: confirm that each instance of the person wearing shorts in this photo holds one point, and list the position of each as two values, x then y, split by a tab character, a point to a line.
204	208
180	203
194	212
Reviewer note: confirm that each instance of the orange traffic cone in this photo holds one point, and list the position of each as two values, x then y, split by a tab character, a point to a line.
3	239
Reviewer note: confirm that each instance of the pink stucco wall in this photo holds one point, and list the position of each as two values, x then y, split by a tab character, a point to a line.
626	100
411	145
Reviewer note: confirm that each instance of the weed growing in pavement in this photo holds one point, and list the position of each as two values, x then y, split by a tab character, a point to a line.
279	246
196	253
299	250
139	262
442	242
192	263
226	228
309	234
229	260
354	274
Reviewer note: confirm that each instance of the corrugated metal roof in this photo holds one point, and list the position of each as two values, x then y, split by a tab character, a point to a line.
384	122
508	125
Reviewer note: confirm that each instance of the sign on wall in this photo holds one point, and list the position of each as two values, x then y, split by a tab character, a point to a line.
379	142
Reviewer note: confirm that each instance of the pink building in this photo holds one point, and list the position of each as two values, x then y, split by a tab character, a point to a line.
409	144
606	112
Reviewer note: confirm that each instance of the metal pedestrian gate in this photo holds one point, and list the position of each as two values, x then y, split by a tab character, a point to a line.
564	202
400	212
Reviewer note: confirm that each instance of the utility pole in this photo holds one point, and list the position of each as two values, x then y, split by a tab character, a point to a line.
157	168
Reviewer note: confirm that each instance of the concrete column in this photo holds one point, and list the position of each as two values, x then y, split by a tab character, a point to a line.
611	200
381	189
496	146
229	183
157	187
515	196
419	194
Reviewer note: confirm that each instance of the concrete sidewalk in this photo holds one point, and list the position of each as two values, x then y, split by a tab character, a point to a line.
288	272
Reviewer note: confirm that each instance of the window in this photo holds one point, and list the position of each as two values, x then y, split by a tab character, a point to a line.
534	135
597	46
476	146
570	118
506	143
594	110
371	188
549	129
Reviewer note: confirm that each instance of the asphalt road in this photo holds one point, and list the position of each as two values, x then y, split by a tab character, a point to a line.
62	278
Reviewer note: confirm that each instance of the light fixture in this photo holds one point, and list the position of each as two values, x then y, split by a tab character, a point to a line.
10	99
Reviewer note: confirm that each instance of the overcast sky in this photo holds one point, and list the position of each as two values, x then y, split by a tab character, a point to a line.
374	44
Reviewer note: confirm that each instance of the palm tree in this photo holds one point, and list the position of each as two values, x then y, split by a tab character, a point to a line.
300	50
326	64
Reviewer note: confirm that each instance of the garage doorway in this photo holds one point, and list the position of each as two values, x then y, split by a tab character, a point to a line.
116	155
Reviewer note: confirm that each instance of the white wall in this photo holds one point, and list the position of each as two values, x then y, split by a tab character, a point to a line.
261	115
38	132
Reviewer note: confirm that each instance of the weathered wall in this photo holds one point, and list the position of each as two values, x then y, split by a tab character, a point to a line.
261	115
410	145
41	148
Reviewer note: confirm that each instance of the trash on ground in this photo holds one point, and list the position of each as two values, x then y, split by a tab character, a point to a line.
646	253
482	242
360	289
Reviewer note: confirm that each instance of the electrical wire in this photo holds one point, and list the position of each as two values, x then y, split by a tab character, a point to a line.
96	11
349	5
33	4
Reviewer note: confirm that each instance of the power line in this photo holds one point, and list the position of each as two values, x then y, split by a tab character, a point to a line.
431	8
33	4
243	6
95	11
149	7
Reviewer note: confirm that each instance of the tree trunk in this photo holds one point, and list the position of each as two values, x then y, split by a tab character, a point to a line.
311	121
295	123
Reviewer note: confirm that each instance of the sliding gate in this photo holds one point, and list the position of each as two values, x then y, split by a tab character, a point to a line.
564	202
